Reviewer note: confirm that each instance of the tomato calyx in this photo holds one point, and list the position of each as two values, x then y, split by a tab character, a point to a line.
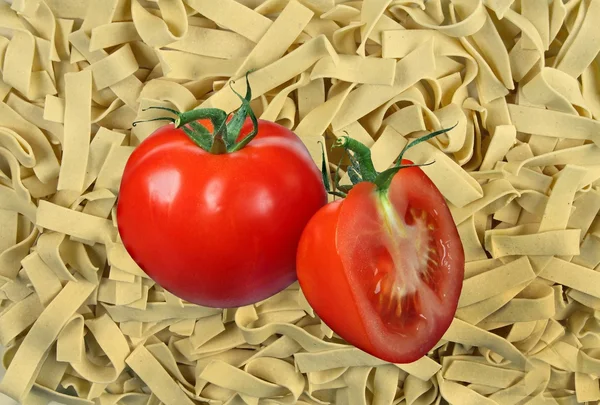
224	138
361	165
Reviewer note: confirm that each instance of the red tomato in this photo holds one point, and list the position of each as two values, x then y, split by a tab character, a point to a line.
218	230
385	270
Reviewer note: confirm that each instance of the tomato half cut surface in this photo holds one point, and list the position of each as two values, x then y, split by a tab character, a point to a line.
384	269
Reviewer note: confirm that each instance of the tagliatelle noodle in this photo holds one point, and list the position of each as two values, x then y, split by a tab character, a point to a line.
156	31
82	323
234	16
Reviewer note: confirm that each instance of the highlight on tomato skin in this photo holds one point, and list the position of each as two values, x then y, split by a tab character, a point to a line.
384	266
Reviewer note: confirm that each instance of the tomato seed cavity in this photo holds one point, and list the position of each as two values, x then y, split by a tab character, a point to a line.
392	300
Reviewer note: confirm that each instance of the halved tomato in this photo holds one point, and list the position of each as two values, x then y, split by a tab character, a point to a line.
384	268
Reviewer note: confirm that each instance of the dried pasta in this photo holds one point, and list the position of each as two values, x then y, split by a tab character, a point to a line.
81	322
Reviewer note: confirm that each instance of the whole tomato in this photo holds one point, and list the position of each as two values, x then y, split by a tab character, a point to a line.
218	225
383	267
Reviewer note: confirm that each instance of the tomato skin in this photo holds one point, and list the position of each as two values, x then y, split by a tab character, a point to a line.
340	256
218	230
325	282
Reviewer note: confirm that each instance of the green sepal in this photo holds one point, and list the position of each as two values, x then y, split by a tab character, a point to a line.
354	169
325	169
422	139
215	115
169	119
344	188
384	179
202	140
196	131
360	159
338	194
245	104
200	129
336	178
235	124
354	175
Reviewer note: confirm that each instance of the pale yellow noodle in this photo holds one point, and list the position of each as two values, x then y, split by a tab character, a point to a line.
520	172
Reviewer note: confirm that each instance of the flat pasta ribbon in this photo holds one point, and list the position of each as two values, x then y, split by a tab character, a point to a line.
83	324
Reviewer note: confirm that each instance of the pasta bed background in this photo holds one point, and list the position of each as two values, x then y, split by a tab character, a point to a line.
520	173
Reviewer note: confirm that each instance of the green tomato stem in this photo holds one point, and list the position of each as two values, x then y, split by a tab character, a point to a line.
362	154
224	137
392	222
218	146
362	168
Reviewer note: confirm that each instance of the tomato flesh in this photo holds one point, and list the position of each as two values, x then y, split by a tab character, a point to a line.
402	261
218	230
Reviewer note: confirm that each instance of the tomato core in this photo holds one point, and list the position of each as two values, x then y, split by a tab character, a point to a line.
407	258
